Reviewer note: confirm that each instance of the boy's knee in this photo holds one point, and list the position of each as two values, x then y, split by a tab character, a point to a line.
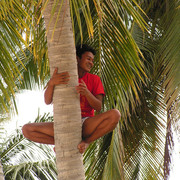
116	115
25	130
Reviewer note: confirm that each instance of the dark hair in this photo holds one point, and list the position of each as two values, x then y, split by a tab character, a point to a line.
81	49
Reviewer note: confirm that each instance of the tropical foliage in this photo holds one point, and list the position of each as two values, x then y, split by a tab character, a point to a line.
19	30
24	159
138	62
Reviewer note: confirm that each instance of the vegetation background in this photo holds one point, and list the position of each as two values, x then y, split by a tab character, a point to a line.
138	61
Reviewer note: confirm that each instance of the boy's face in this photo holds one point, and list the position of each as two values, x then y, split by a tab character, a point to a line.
86	61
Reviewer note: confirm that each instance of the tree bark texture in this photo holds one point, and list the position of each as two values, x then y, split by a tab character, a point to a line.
67	113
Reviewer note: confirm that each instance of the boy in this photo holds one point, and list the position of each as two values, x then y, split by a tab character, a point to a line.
91	93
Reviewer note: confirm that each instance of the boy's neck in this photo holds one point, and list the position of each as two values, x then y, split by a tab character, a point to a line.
81	73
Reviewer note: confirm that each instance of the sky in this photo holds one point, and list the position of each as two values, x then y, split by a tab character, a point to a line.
28	105
29	102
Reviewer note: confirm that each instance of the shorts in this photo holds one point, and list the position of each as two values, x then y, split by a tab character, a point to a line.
83	119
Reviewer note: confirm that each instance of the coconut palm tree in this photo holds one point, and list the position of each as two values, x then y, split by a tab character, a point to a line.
85	11
67	117
140	89
61	50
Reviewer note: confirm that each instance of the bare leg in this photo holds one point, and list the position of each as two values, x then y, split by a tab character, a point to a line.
97	126
39	132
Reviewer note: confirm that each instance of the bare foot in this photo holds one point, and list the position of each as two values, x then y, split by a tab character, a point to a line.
82	146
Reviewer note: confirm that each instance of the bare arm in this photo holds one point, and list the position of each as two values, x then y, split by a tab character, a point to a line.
94	101
56	79
48	94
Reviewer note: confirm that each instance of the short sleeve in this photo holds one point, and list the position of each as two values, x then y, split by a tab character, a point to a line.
98	86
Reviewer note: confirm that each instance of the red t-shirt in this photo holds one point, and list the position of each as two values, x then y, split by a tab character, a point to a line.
95	86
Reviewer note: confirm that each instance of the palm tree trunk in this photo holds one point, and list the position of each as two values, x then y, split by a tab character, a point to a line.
67	116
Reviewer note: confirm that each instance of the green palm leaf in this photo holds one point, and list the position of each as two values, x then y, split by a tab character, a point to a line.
156	47
21	68
143	133
20	158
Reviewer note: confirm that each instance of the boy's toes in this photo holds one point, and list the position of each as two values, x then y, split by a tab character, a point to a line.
82	146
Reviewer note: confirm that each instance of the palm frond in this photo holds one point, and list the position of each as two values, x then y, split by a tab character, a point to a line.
95	157
20	159
11	40
114	167
45	169
144	133
21	30
160	51
34	74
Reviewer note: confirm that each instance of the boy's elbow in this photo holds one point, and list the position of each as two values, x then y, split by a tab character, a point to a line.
47	101
98	109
